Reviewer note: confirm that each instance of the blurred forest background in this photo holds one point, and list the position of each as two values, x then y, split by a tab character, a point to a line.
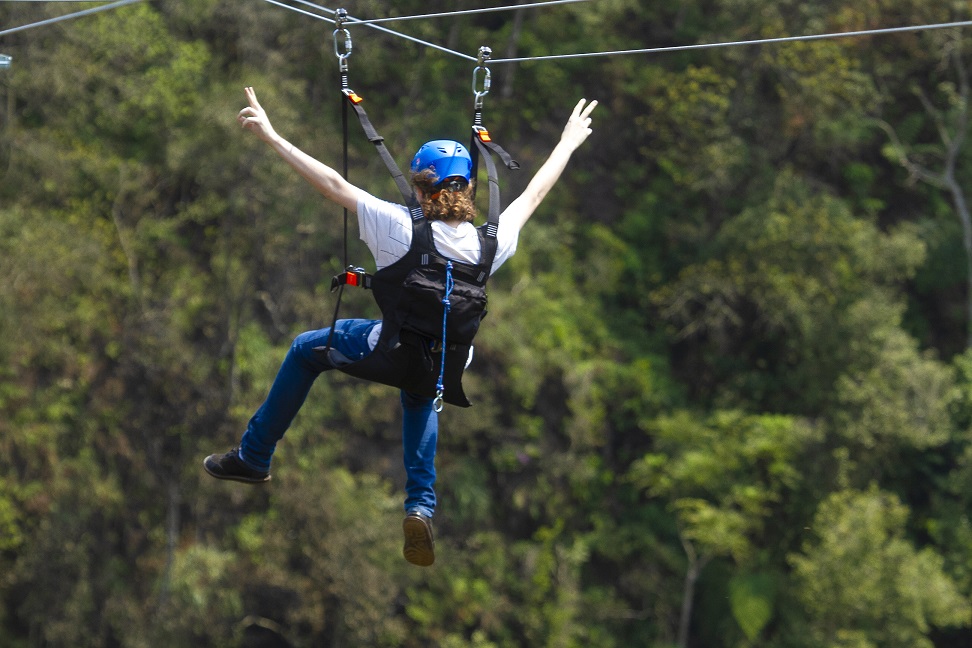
723	397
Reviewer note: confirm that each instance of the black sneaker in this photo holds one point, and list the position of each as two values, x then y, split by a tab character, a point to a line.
419	546
230	466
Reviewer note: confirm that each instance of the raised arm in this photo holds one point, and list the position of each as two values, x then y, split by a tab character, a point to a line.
575	132
322	177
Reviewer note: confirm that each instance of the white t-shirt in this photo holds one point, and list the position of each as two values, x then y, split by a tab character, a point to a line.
386	228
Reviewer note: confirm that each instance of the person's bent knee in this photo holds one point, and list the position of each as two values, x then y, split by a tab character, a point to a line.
303	349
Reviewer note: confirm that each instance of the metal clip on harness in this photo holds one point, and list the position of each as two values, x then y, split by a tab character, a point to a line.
340	17
484	54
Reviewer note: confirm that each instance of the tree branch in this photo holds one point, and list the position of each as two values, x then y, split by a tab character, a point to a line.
134	278
915	170
935	114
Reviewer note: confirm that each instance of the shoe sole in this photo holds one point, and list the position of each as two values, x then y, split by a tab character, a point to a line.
419	546
236	478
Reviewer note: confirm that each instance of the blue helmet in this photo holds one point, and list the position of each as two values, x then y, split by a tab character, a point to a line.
445	158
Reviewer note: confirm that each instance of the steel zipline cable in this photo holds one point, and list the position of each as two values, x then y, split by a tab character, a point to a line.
646	50
462	12
377	27
760	41
77	14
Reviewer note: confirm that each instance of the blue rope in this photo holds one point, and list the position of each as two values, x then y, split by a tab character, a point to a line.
446	305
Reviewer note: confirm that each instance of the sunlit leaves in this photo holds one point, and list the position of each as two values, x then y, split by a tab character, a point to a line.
723	477
687	128
751	598
782	282
893	391
857	576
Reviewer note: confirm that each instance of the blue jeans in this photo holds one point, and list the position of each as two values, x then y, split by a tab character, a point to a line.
301	367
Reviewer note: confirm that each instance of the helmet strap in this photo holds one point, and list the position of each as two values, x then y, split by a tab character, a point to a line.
450	185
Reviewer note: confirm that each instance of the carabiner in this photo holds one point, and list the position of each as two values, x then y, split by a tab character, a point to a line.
437	404
484	54
340	16
477	93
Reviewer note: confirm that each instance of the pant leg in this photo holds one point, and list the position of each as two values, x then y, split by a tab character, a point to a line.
300	368
420	432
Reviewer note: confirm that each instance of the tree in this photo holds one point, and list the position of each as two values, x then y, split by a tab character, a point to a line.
723	477
941	164
857	575
765	319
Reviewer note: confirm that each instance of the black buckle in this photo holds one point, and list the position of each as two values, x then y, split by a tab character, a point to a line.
352	277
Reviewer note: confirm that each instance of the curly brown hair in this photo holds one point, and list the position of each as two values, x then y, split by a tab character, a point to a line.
444	204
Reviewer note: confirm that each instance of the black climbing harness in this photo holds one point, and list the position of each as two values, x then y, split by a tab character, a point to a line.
452	358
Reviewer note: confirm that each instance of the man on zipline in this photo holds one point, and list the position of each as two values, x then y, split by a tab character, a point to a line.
442	183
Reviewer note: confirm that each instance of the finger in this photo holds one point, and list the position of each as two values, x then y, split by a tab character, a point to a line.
589	109
246	119
251	97
578	107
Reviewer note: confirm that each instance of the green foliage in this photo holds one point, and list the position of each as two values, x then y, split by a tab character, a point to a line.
724	477
751	597
857	576
896	391
770	307
686	119
200	603
733	314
